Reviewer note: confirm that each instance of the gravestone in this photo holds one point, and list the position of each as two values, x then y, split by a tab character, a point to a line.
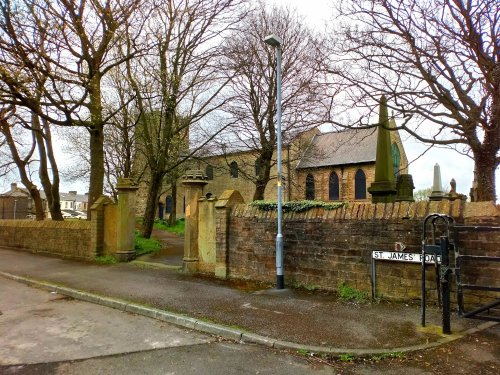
437	188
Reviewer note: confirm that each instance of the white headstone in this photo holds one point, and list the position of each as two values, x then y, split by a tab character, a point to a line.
437	187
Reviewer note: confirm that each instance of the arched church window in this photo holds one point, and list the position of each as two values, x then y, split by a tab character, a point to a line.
233	169
209	171
310	193
360	185
333	187
258	165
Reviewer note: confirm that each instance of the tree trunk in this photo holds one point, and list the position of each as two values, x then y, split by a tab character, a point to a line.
37	201
45	152
173	215
260	189
96	143
485	167
21	166
151	201
96	181
264	175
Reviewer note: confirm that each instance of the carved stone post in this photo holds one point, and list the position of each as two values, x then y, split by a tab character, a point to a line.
383	189
125	234
194	181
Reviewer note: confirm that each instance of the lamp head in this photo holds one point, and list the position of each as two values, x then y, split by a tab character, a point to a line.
273	40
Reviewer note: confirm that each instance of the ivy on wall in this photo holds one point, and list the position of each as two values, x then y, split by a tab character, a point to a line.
297	206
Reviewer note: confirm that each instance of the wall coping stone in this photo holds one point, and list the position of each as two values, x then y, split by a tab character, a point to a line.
70	224
374	211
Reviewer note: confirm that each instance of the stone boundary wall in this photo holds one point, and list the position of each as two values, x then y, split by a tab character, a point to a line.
109	232
324	248
67	239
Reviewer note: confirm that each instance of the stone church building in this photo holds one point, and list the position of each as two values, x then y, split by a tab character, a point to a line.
332	166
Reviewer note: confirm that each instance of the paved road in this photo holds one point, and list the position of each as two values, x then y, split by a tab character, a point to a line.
46	333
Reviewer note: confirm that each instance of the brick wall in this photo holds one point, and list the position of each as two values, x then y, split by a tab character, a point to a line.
67	239
324	248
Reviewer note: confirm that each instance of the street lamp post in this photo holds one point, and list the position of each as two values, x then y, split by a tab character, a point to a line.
275	41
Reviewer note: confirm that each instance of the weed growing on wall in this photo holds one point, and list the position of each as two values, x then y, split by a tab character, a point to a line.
346	357
105	259
348	293
297	206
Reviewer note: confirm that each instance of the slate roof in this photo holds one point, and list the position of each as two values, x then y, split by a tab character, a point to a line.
73	197
68	197
16	192
353	146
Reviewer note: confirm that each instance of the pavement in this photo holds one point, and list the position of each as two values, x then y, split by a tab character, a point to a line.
291	319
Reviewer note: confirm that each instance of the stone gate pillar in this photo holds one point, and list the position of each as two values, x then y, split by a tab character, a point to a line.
193	181
223	207
125	233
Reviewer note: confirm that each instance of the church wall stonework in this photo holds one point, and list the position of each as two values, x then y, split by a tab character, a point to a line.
294	184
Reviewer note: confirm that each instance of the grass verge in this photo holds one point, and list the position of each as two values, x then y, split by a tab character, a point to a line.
146	245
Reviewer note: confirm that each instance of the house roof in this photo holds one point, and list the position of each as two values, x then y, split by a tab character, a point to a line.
73	197
353	146
68	197
16	194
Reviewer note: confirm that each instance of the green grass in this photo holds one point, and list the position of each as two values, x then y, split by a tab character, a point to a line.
105	259
303	352
380	357
178	228
146	245
162	224
308	287
348	293
346	357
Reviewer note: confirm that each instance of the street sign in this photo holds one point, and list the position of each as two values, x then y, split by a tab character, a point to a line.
398	256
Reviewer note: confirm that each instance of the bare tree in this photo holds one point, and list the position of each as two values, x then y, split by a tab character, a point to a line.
253	88
22	150
178	85
438	62
120	138
63	48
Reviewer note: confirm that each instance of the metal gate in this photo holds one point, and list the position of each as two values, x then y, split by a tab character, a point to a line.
444	239
462	261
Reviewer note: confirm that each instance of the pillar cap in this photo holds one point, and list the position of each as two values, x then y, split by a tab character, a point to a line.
126	184
194	176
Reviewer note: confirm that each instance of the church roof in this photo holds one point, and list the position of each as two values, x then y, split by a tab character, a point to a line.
353	146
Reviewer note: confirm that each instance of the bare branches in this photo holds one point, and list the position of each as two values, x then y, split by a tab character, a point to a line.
435	61
253	87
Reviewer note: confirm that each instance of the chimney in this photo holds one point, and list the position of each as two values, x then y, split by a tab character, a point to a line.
13	187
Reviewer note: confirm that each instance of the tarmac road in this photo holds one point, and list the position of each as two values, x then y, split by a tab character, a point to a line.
47	333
